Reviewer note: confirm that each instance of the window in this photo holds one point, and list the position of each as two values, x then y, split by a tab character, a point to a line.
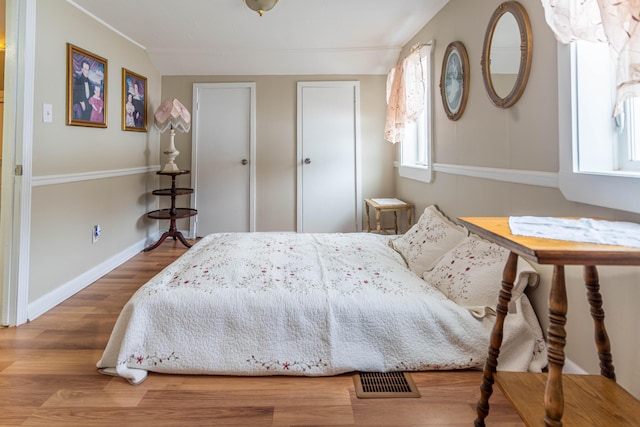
599	154
629	140
415	148
606	144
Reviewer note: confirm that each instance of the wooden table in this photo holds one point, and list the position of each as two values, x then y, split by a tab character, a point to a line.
388	205
173	213
591	399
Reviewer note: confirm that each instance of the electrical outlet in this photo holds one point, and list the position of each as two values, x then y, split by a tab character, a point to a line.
95	233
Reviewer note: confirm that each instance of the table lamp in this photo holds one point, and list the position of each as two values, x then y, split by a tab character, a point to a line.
171	114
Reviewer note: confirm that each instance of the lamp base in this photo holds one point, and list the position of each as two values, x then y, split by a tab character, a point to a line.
170	168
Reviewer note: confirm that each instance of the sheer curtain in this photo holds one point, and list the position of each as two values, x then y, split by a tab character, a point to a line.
612	21
405	95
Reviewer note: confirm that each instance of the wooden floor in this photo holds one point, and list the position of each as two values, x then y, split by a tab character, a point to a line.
48	377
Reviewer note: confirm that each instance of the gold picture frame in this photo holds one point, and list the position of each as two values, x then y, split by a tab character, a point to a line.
519	53
86	88
134	101
454	80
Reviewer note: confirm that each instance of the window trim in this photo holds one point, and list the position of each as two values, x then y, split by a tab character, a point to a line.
419	172
614	191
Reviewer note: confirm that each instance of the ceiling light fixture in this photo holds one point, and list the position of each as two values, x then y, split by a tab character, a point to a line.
260	6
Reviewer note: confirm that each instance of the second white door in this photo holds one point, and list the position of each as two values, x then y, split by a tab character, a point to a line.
329	157
223	153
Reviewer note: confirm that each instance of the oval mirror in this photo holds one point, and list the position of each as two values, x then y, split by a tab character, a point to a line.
506	54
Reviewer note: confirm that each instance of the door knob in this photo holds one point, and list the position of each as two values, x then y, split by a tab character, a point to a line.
307	161
245	162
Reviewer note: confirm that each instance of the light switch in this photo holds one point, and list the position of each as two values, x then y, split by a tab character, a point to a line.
47	113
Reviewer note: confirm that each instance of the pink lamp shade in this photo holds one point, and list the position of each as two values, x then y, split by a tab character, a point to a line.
172	114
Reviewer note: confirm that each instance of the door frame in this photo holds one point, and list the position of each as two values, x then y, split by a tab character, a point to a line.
15	219
252	149
299	146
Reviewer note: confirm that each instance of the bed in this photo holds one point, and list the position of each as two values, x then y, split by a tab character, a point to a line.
324	304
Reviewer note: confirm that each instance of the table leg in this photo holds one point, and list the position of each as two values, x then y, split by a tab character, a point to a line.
172	232
554	394
395	221
366	208
495	342
409	212
378	221
597	313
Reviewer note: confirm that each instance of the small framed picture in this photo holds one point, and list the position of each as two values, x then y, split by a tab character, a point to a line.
134	101
86	88
454	80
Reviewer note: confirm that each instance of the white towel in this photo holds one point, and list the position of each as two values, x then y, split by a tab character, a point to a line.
577	230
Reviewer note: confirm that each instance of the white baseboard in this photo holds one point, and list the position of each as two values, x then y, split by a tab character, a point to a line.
63	292
570	367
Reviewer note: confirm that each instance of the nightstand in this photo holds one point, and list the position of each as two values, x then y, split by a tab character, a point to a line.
388	205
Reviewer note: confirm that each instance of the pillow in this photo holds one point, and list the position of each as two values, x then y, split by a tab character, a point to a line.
471	273
430	238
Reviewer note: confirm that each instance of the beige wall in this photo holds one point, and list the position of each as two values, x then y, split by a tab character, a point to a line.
64	214
524	137
276	140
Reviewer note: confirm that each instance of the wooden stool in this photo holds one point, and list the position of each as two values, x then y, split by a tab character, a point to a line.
388	205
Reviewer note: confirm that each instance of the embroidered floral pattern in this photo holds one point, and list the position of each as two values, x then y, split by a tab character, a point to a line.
287	366
470	274
428	240
261	264
148	361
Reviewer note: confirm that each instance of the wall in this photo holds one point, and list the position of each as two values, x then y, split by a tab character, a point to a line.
524	137
64	213
276	140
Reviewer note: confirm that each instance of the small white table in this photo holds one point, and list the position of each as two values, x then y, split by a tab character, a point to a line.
388	205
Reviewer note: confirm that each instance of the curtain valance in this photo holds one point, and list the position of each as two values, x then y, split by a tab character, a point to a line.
405	94
611	21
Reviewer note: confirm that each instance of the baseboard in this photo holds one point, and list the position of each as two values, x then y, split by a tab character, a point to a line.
570	367
63	292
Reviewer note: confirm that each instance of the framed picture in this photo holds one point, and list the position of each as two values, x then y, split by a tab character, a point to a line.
134	101
86	88
454	80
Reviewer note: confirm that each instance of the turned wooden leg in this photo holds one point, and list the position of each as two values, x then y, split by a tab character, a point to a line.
378	221
554	394
366	208
597	313
395	221
495	342
409	218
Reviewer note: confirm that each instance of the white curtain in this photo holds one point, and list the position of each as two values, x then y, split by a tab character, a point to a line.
405	95
612	21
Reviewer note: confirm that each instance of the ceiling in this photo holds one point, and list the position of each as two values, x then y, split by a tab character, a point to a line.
225	37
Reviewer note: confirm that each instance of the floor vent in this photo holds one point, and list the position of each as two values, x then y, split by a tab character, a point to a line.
370	385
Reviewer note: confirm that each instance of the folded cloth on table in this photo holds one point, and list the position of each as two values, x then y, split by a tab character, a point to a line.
577	230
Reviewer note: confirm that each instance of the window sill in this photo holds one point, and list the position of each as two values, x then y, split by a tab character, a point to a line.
619	191
417	173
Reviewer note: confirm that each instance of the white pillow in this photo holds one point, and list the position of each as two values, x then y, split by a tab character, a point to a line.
471	273
430	238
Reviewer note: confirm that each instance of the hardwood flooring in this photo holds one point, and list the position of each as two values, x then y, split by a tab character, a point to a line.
48	377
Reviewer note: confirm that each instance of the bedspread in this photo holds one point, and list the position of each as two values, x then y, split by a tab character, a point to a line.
303	304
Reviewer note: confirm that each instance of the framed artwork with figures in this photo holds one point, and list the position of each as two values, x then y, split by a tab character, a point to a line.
454	80
86	88
134	101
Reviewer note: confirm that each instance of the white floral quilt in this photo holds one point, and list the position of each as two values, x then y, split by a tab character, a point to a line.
304	304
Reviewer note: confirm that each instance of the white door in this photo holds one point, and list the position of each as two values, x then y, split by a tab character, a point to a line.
329	157
223	152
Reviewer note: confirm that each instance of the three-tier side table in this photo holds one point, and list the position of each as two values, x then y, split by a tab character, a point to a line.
554	399
172	214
